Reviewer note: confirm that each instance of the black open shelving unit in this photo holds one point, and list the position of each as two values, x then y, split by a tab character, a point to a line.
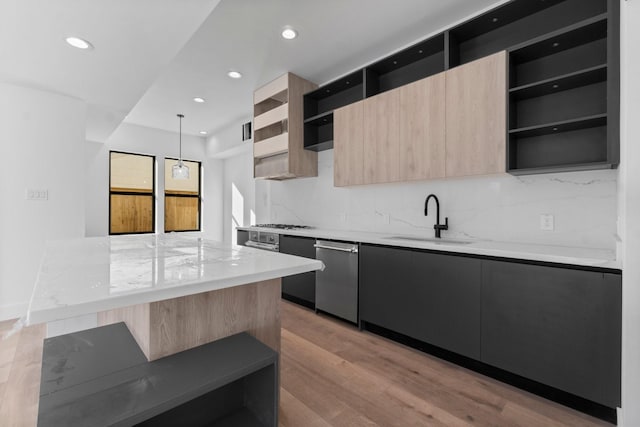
107	381
563	94
564	97
320	103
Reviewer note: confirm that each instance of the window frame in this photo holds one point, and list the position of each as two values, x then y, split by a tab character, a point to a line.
184	195
133	193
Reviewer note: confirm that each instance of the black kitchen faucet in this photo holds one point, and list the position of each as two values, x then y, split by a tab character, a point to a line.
437	226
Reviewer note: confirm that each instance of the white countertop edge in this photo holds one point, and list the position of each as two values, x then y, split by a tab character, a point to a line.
584	257
148	296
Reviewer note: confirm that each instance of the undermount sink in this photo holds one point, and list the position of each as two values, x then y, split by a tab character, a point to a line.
431	240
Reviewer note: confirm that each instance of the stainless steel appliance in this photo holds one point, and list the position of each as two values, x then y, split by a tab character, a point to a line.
264	240
269	240
337	284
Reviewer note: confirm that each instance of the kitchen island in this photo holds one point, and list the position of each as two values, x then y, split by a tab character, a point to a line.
184	323
173	292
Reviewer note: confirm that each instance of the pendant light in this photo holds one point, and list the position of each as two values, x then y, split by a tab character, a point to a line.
180	170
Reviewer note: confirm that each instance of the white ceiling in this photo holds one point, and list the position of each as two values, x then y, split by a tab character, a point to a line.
134	68
134	41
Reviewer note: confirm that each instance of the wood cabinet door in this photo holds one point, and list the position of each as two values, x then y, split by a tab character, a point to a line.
348	145
422	129
476	117
381	136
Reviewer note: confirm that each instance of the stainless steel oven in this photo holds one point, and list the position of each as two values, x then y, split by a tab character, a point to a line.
264	240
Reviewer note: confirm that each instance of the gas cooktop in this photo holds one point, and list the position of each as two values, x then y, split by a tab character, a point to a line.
284	226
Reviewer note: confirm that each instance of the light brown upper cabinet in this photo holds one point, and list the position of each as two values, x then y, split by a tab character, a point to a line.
476	117
278	149
446	125
381	138
422	129
348	144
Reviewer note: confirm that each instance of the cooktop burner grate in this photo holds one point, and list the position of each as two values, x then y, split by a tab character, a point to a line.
283	226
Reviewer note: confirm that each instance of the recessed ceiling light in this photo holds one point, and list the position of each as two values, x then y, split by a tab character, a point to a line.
289	33
234	74
198	100
78	42
203	132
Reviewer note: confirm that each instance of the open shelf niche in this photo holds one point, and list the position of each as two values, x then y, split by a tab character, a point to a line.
564	83
319	105
108	381
278	149
558	100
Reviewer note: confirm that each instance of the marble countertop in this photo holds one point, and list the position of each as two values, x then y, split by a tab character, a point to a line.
589	257
83	276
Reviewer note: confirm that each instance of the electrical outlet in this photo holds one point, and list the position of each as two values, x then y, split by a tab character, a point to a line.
33	194
546	222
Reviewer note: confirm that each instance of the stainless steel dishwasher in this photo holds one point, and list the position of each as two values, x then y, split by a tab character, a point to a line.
337	284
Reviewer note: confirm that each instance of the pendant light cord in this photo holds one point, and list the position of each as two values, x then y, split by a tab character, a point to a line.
180	158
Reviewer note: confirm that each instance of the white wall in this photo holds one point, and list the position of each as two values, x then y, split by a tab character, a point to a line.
42	148
138	139
238	187
630	212
239	194
503	208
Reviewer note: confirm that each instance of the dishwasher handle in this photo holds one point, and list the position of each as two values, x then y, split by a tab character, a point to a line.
353	249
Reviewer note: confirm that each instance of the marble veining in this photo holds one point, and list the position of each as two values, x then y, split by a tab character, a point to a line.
82	276
501	208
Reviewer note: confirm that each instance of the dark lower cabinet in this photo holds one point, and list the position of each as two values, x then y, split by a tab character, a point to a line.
557	326
300	288
241	237
431	297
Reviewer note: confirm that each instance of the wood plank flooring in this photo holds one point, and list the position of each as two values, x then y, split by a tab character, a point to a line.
333	375
20	363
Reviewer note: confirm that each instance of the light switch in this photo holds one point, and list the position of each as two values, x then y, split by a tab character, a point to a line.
41	195
546	222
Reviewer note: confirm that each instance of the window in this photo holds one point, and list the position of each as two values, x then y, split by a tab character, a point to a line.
182	198
131	193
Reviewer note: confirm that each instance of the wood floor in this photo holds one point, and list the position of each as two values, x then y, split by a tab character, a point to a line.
20	363
334	375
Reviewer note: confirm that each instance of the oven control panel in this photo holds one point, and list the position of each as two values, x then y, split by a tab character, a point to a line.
265	238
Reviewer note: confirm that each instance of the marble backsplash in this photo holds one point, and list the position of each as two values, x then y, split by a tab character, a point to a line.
501	208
